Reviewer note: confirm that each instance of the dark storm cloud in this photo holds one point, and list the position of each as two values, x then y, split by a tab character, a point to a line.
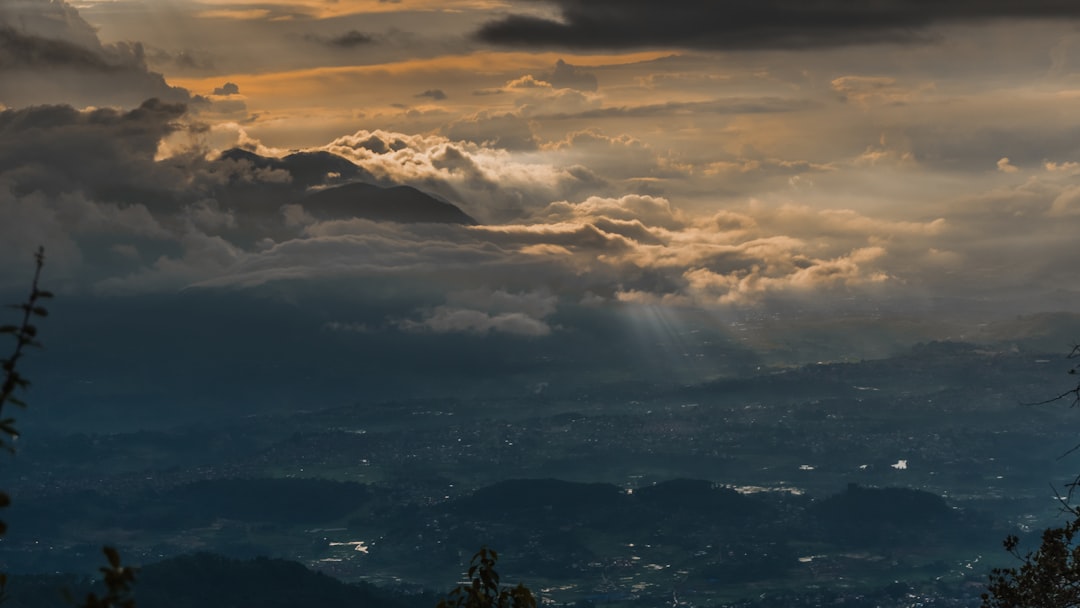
18	49
58	148
751	24
82	184
22	131
185	59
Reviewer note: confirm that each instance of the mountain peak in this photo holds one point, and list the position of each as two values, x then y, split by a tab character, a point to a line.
402	204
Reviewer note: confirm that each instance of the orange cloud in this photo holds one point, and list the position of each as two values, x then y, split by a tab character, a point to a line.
232	13
313	81
320	9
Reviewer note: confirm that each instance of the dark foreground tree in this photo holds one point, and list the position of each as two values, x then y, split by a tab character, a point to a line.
1048	577
483	590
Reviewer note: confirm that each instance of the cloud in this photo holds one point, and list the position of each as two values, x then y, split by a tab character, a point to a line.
240	14
186	60
877	90
348	40
80	182
508	130
451	320
528	81
481	312
614	157
202	256
58	148
649	210
566	76
435	94
633	248
746	24
23	50
297	10
86	184
803	276
733	105
229	88
49	54
489	183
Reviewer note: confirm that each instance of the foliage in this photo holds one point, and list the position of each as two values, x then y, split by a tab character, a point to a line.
25	334
1049	577
117	578
1074	392
484	591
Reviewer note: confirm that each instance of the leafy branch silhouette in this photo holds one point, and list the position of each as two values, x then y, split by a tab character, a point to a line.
483	590
1073	392
25	336
118	579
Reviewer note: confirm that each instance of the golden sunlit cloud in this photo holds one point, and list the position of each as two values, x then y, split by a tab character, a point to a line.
240	14
878	90
321	9
480	63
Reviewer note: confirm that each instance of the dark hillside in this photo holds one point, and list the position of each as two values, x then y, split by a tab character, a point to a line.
207	580
402	204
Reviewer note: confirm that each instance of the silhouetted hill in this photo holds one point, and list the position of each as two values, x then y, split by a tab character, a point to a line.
306	168
523	495
697	495
862	515
403	204
1040	332
313	167
207	580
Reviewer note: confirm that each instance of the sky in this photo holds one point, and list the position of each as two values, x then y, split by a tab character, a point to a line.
638	171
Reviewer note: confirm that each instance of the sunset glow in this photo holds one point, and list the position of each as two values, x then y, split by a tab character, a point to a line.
693	161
